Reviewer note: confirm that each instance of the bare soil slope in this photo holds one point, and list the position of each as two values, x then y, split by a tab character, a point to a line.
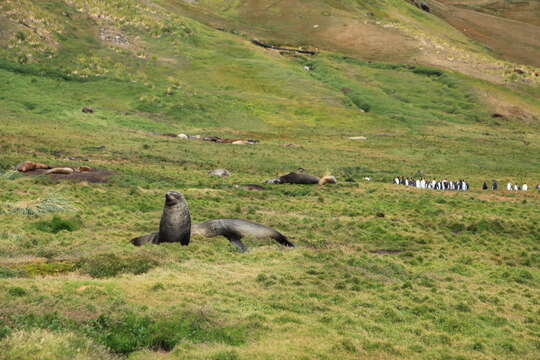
511	30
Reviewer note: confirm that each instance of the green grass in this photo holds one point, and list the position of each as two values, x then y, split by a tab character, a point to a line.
439	276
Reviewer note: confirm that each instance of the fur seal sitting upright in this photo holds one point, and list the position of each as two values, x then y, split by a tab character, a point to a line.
235	229
175	224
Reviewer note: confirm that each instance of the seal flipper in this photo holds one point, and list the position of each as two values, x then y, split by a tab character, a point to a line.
235	240
282	239
147	238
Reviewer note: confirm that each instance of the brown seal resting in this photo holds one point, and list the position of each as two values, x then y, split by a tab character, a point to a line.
29	166
235	229
175	224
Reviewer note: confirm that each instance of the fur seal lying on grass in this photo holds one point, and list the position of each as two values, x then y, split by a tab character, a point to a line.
175	224
29	166
60	170
294	178
235	229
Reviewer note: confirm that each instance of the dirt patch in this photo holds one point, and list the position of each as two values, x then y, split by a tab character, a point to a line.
514	40
92	176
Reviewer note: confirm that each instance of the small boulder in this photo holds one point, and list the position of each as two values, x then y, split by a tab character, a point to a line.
219	172
253	187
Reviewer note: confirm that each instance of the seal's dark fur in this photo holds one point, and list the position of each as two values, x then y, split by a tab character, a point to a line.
235	229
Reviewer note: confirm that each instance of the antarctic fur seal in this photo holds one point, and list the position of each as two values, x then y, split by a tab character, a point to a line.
29	166
235	229
294	178
327	180
175	224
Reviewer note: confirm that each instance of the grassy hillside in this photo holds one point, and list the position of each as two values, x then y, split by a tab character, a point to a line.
380	271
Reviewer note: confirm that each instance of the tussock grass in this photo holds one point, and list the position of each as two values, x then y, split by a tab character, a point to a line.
50	204
43	344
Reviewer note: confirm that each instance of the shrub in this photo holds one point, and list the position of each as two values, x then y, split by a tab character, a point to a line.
132	332
17	291
109	265
57	224
427	71
6	272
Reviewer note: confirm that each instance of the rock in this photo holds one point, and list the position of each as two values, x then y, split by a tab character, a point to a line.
219	172
424	6
327	180
64	170
358	138
183	136
77	158
87	110
253	187
421	5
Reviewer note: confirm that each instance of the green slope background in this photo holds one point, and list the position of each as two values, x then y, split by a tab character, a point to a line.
380	271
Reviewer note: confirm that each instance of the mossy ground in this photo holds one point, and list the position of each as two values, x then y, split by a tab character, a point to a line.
443	275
